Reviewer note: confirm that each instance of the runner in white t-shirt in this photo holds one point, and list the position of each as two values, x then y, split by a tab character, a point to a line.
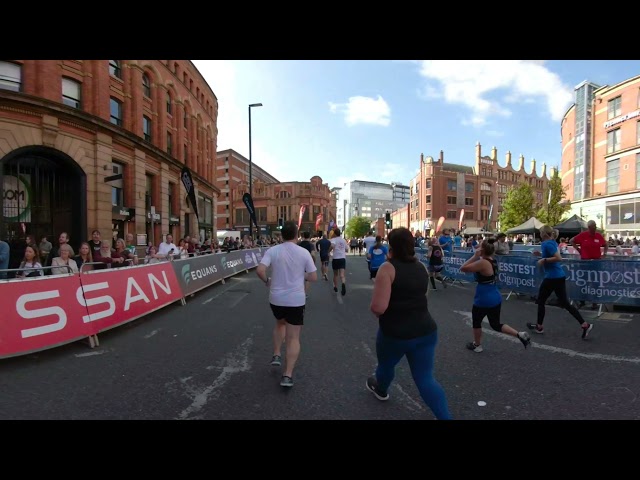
339	247
369	241
290	265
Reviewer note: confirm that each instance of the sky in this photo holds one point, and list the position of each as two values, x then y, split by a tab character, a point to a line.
370	120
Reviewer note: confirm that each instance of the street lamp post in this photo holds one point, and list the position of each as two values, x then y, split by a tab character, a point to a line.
251	173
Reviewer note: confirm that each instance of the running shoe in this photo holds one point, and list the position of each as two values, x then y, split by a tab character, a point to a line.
524	338
474	347
286	381
372	386
586	331
535	328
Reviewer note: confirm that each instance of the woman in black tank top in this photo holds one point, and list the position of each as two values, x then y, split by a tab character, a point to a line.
406	326
436	263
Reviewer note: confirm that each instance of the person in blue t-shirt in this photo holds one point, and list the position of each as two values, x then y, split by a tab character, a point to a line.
446	242
457	240
377	255
487	301
554	282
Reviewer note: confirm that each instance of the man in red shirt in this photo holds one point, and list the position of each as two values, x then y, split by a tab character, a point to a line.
588	244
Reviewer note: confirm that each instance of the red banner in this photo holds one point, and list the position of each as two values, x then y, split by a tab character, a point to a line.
461	219
318	220
440	222
51	311
302	210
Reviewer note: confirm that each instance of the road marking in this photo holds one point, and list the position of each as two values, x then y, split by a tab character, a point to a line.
235	362
238	300
566	351
151	334
90	354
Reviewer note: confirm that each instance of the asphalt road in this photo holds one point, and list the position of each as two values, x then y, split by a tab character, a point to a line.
210	360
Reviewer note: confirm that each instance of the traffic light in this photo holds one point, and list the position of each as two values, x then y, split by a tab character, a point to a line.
280	223
387	220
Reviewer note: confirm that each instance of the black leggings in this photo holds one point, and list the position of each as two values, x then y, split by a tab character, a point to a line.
493	313
557	285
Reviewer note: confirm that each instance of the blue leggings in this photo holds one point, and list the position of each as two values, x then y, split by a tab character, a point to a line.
420	353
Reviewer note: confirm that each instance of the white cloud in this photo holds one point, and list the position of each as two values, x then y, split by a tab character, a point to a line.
233	120
469	83
366	110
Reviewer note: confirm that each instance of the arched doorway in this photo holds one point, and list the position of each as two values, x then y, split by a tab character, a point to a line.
44	192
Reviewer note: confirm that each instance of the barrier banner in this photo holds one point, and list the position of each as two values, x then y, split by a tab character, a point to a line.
40	313
196	273
117	296
597	281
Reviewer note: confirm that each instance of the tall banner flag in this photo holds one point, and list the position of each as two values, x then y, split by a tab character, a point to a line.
303	208
489	220
318	220
440	222
187	181
248	201
461	219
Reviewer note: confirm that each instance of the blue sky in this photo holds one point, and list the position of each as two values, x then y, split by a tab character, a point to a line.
370	120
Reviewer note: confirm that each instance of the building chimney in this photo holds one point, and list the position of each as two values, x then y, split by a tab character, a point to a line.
521	166
533	167
553	171
478	152
544	169
508	159
494	154
441	159
421	158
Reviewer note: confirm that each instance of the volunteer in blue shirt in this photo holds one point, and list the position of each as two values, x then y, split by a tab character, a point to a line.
377	255
554	281
446	242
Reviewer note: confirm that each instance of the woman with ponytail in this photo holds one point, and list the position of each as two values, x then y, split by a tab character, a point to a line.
488	300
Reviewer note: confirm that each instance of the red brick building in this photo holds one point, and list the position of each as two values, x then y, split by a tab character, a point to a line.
604	182
88	144
444	189
231	171
400	217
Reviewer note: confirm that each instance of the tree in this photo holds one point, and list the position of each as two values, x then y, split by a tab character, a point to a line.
357	227
558	207
517	207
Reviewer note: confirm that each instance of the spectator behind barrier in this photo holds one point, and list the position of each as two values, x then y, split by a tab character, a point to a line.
84	256
30	266
65	260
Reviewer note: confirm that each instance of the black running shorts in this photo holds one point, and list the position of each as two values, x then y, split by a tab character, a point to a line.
338	264
291	315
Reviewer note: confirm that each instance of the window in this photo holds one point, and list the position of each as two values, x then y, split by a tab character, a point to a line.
451	200
169	144
10	76
186	118
169	104
468	202
428	183
468	187
117	191
115	69
452	214
613	108
613	175
428	198
452	185
146	128
469	215
115	106
70	92
428	214
146	85
637	133
613	140
485	187
172	190
637	170
148	194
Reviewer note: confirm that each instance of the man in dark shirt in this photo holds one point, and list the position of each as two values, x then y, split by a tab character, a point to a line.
306	244
323	246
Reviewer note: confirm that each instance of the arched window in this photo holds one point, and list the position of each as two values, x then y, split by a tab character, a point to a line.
169	108
146	85
10	76
186	118
115	68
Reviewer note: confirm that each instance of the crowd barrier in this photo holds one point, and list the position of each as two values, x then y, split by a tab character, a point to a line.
39	313
610	281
